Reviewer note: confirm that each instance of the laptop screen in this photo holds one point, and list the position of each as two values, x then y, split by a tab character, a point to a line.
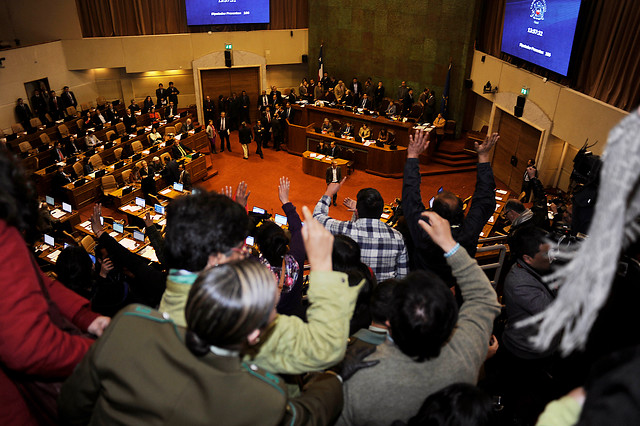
67	207
140	202
118	227
137	235
258	210
280	219
49	199
48	240
159	208
177	187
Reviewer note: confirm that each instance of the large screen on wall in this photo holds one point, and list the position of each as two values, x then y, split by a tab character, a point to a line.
541	32
216	12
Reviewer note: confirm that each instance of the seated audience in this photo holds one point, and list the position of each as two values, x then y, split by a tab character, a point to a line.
110	113
72	146
380	306
321	148
133	106
179	150
154	135
383	248
87	167
348	131
383	137
91	140
439	124
130	122
327	127
433	344
334	150
364	132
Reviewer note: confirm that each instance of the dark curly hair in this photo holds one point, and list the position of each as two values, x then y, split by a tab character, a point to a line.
200	225
18	200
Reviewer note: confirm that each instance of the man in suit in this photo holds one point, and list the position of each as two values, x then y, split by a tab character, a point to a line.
172	94
244	134
258	133
60	179
378	95
188	126
333	175
110	113
185	177
56	109
334	151
365	103
58	153
430	109
234	111
223	131
39	105
356	89
244	107
267	118
178	150
161	96
348	130
129	121
133	106
171	172
263	101
68	98
407	102
23	113
171	111
325	81
99	119
402	91
209	109
275	91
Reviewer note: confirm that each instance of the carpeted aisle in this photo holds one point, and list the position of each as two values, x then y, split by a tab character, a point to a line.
262	177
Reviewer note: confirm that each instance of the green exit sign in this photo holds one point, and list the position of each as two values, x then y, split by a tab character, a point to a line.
228	46
525	91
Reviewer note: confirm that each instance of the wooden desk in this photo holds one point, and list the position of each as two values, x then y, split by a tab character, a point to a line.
171	194
384	161
125	238
318	166
311	114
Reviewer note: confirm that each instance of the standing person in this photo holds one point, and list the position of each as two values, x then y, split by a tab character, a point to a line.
211	133
431	107
33	346
245	139
161	96
55	106
68	98
333	175
378	95
266	120
223	131
208	109
244	107
258	133
39	105
234	111
23	113
172	94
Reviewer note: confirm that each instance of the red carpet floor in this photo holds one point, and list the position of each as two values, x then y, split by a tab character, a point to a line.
262	177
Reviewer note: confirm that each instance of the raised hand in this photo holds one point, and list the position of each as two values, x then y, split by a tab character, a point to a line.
486	146
242	195
283	190
418	144
333	188
318	242
350	204
96	226
438	229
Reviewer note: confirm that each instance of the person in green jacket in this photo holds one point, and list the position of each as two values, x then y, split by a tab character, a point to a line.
208	229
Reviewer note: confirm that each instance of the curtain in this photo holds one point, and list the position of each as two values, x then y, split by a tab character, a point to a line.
107	18
605	63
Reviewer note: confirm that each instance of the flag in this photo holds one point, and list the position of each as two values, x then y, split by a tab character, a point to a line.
320	65
444	106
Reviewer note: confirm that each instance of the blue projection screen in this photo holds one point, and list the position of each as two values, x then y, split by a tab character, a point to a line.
217	12
541	32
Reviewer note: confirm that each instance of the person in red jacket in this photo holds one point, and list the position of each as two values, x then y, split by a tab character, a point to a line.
30	343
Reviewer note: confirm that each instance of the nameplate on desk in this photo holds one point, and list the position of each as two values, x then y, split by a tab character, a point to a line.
166	191
501	191
54	256
368	143
86	225
128	243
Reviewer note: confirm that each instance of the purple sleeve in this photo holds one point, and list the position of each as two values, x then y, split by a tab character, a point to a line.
296	248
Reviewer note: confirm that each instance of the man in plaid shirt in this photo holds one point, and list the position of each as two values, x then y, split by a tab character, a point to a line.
382	247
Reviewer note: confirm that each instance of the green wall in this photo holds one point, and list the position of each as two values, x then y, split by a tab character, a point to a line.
392	40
